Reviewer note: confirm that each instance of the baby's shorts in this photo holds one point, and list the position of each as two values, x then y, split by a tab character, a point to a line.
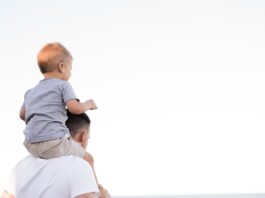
55	148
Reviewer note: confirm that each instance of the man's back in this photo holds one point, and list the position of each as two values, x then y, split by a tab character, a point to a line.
65	177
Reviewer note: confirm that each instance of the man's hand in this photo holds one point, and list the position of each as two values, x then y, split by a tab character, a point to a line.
103	192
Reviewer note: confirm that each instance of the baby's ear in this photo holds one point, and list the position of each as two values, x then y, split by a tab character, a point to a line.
60	67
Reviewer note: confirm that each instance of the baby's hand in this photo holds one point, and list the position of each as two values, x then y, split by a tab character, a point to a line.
91	104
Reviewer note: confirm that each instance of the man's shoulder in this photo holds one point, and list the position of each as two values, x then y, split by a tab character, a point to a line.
25	160
63	158
68	161
67	164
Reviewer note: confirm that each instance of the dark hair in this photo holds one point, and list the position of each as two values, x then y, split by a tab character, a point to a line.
76	122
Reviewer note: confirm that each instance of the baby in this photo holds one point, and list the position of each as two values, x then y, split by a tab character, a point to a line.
44	108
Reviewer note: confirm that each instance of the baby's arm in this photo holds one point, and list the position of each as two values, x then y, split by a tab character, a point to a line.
22	113
76	107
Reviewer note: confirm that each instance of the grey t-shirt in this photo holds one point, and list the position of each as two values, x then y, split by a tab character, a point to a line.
45	106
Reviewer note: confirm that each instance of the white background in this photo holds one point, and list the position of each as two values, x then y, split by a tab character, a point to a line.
180	87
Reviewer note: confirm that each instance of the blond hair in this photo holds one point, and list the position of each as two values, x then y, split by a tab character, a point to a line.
51	55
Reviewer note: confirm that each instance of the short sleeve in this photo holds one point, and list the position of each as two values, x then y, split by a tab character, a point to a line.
25	97
68	92
82	179
10	183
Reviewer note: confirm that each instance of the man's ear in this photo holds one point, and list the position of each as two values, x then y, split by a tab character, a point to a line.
83	136
80	136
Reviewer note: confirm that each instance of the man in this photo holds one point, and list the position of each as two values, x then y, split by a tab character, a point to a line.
66	177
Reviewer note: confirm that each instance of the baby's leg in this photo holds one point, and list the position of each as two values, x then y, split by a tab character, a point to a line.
56	148
46	149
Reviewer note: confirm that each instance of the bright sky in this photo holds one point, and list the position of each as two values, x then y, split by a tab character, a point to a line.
179	84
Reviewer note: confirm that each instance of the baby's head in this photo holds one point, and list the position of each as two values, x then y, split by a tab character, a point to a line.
55	60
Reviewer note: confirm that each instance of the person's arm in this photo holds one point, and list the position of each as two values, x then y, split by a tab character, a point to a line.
7	195
72	103
22	113
103	192
87	195
89	158
76	107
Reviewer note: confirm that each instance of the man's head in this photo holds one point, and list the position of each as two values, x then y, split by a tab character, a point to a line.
78	126
54	57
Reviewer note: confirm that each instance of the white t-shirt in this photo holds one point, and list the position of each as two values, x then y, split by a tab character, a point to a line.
63	177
